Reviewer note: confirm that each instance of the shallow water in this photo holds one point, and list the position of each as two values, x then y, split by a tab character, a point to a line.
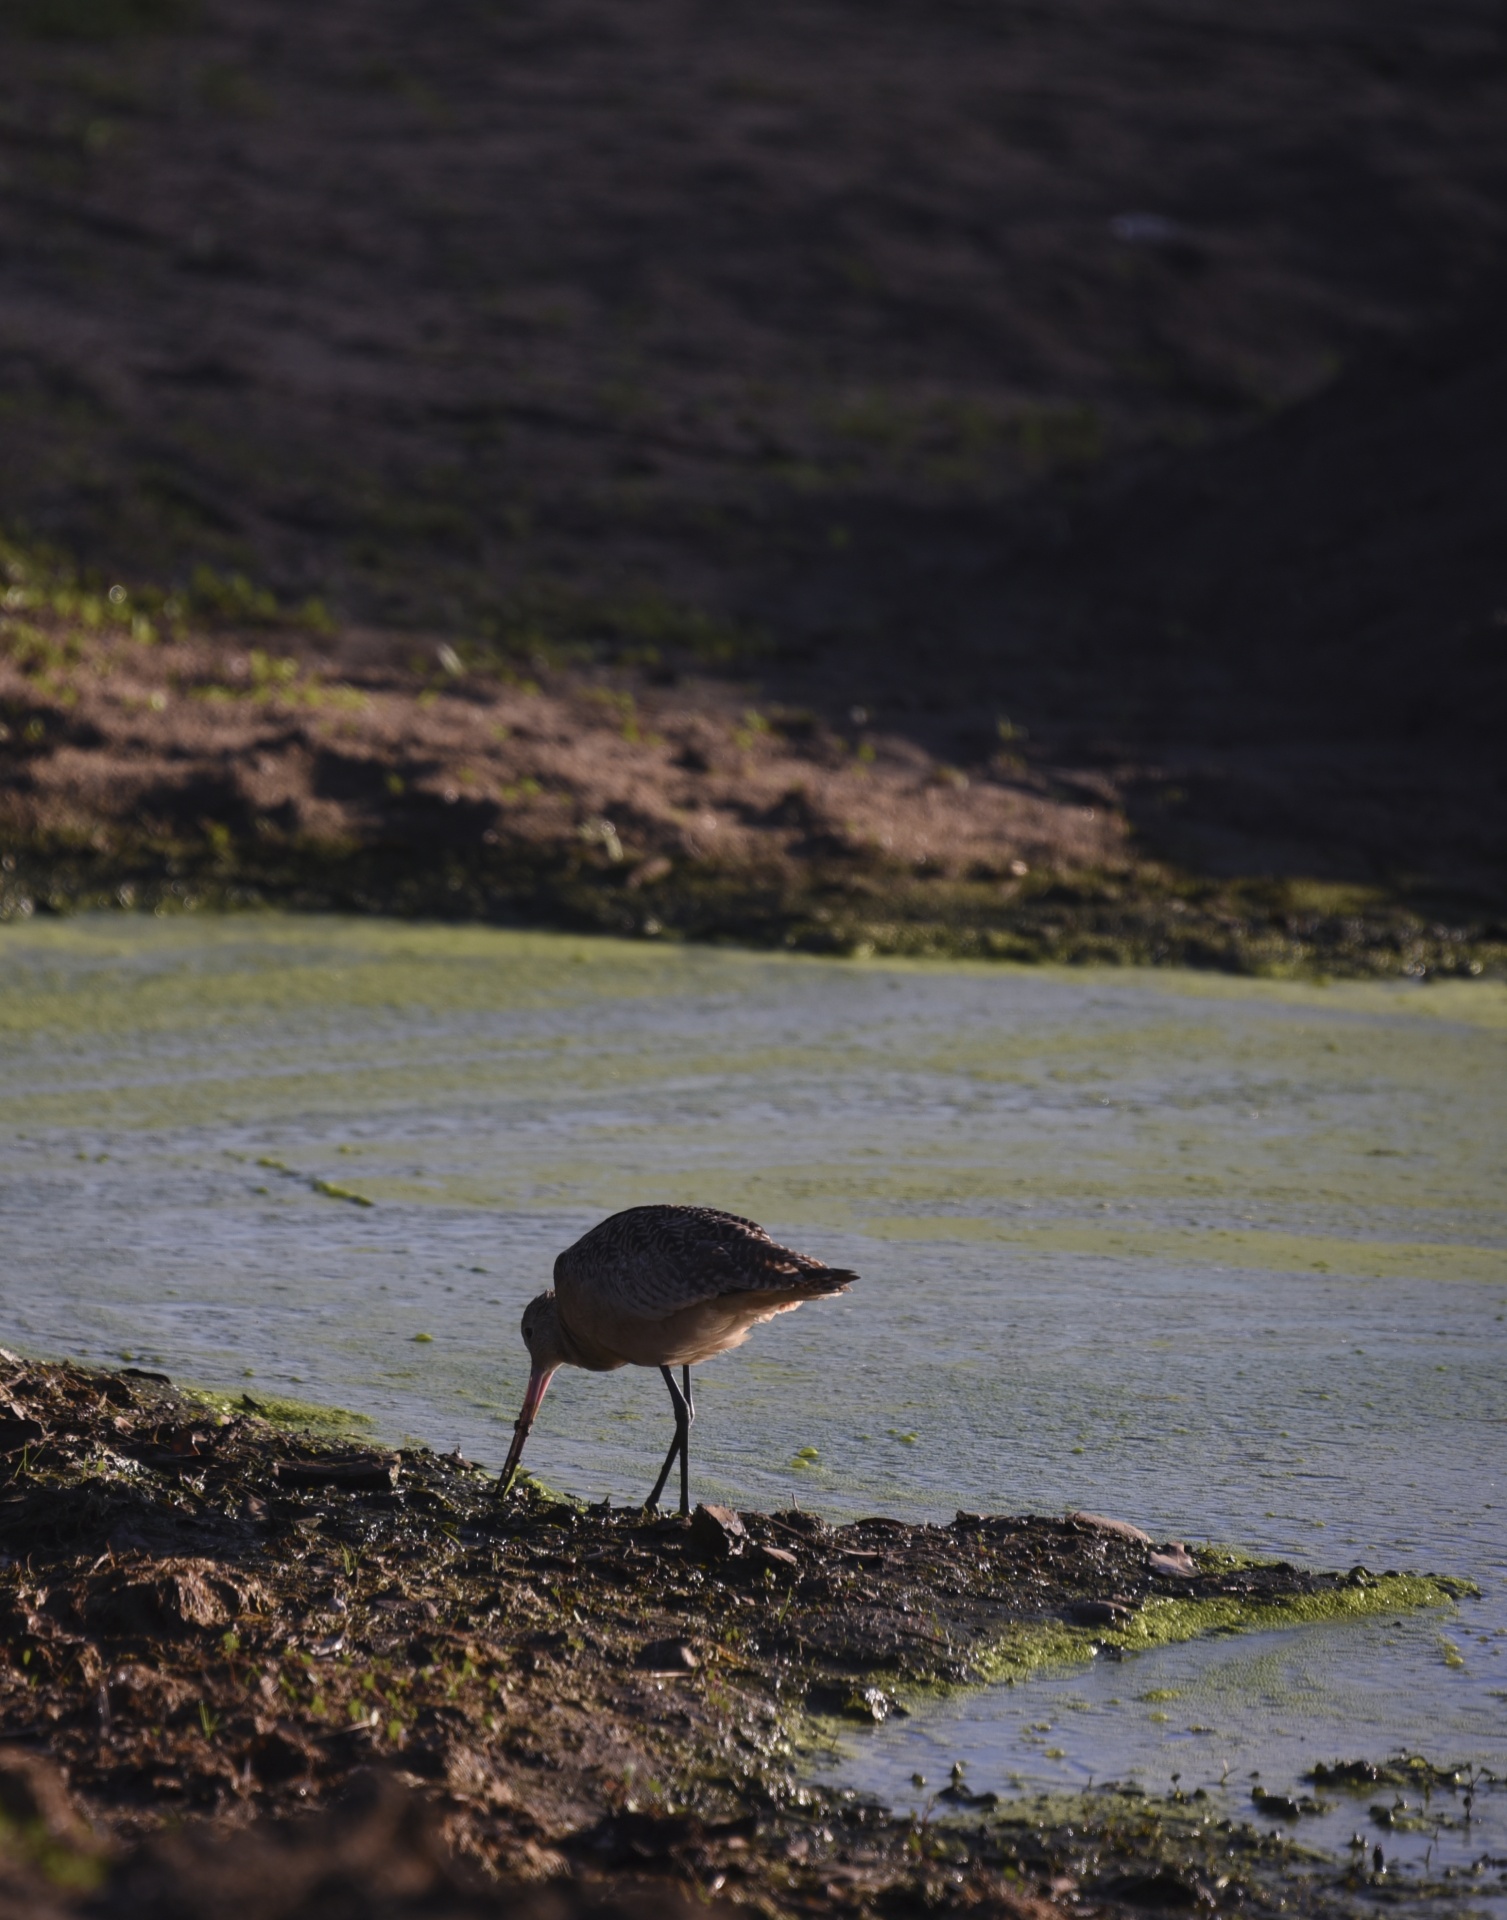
1225	1258
1233	1716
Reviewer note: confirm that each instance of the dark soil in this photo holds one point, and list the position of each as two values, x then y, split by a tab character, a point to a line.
208	1621
1098	405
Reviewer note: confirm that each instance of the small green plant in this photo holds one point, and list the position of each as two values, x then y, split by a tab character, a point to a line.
943	775
624	709
267	678
269	672
36	651
754	728
230	599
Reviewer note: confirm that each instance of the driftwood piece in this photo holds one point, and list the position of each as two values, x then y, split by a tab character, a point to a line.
376	1474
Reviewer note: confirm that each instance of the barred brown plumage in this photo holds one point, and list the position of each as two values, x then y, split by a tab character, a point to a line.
661	1286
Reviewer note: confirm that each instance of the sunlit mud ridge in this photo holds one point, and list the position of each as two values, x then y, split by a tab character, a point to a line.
210	1616
1268	929
1079	541
153	757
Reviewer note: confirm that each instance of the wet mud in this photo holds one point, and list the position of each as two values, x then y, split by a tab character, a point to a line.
210	1621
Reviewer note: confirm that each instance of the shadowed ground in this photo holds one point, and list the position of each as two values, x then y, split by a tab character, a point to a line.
920	443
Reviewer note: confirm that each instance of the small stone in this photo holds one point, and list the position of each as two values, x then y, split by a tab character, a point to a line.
870	1704
962	1795
1101	1523
1284	1806
1174	1559
1098	1613
717	1532
666	1656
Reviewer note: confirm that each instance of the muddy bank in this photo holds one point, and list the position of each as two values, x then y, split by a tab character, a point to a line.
154	756
208	1617
900	457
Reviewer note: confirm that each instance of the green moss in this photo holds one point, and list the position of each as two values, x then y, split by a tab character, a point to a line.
42	579
1026	1649
333	1191
302	1415
528	1486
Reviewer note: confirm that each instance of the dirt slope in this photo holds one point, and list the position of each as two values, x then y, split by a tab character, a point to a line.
1094	404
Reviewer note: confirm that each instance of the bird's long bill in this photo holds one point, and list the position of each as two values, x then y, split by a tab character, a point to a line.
538	1382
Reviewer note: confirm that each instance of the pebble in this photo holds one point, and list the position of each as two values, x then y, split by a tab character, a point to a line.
1103	1524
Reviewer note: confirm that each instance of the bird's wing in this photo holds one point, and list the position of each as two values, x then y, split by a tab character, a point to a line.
655	1261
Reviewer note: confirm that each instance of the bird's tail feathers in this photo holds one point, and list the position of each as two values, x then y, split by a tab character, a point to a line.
828	1279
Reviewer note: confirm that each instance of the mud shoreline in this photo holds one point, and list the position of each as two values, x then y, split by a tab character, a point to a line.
152	759
212	1619
977	485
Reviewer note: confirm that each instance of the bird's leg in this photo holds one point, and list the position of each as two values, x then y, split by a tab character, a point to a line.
685	1444
677	1445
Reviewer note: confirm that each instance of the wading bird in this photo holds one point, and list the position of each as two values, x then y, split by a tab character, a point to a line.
661	1287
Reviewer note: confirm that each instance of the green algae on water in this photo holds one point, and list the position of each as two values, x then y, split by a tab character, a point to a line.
1024	1650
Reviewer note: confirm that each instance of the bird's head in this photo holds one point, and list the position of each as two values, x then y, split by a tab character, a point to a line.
546	1352
541	1333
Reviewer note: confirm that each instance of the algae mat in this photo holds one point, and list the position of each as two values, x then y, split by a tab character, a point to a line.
1227	1257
